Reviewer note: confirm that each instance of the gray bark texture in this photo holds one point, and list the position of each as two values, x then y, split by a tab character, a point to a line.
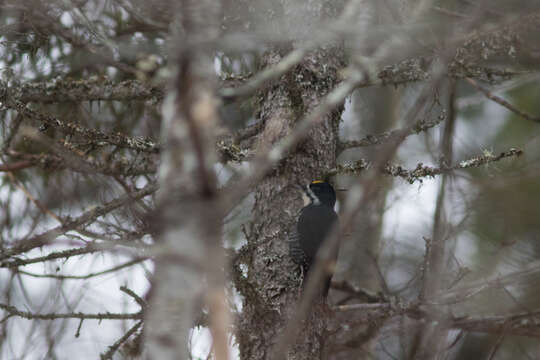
271	286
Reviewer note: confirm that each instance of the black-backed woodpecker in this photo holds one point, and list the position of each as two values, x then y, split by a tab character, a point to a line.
316	220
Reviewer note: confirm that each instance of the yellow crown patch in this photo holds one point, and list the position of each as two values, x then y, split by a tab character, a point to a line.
317	182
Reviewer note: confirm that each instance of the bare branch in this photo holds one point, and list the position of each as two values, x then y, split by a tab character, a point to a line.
524	324
65	254
347	287
80	277
38	203
421	171
137	298
81	90
99	137
369	140
13	311
21	246
470	290
19	165
502	102
123	167
114	347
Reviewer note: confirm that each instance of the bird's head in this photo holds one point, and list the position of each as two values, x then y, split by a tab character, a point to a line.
320	192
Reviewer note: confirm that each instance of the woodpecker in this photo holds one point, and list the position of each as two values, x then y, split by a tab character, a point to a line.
316	220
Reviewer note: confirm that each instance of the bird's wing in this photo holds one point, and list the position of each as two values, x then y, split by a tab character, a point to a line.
295	250
314	225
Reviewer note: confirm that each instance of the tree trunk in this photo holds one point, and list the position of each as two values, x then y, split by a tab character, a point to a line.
272	284
189	260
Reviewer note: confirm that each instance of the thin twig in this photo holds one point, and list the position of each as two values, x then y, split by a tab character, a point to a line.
83	277
13	311
363	307
369	140
517	324
91	247
502	102
347	287
498	343
114	347
89	216
78	332
137	298
65	254
36	202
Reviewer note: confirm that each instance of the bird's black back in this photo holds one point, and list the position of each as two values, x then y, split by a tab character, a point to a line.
314	225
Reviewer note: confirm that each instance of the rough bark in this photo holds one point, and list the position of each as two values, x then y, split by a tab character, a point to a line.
271	286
